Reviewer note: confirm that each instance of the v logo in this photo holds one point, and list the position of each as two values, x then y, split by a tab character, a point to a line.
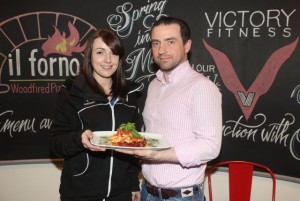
247	98
246	101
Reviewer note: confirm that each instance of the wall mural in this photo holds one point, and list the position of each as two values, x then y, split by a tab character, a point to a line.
250	50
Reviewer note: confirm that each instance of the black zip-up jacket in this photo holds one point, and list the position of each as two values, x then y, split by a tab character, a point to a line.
86	175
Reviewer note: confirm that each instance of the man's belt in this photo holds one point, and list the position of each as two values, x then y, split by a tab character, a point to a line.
166	193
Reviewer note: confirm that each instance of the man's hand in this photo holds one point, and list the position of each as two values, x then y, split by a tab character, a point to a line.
165	155
136	196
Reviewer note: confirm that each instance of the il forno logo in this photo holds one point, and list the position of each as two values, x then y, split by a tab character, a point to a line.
59	43
38	54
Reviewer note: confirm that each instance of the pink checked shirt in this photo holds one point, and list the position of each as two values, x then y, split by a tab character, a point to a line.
187	111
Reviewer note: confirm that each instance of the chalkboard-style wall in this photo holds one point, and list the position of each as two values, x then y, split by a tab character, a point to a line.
249	49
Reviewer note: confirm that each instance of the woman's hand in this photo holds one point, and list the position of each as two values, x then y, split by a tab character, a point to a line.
86	136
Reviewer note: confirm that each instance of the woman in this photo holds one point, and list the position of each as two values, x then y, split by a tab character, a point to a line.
98	99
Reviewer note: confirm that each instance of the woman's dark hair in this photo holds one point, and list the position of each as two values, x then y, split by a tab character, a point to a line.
119	86
185	30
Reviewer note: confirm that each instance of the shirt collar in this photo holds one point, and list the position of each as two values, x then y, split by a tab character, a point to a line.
175	74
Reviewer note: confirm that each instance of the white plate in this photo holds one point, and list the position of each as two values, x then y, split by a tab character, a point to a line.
154	141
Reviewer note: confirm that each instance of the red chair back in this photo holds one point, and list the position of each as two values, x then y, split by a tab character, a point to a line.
240	179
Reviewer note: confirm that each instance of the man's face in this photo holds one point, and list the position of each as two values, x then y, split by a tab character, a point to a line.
168	49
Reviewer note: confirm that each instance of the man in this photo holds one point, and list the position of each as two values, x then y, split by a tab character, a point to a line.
185	107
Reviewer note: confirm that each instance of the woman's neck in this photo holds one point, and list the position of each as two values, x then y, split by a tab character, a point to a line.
106	84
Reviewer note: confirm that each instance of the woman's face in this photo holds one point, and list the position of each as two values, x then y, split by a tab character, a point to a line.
104	62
